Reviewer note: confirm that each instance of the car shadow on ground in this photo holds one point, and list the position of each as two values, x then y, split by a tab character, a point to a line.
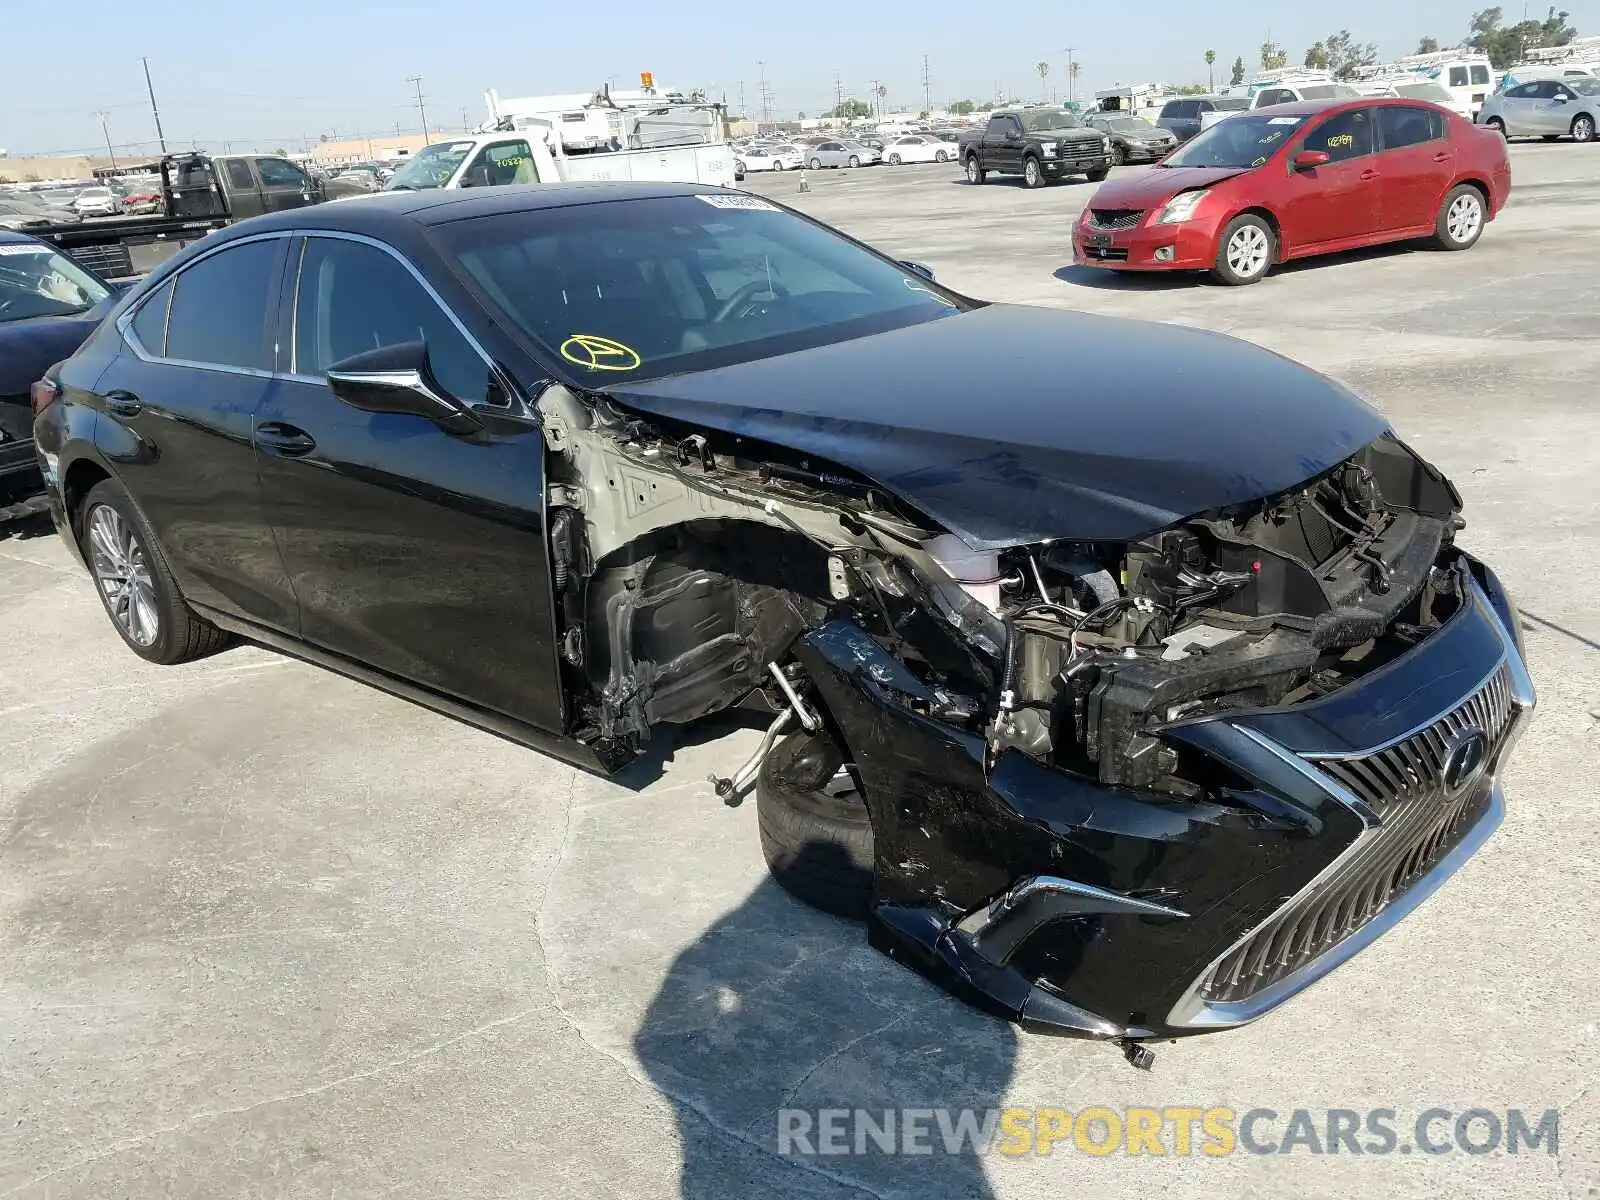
778	1013
22	528
667	740
1155	281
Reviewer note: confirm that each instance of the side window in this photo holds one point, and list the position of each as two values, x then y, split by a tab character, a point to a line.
1563	92
222	305
275	172
1344	136
1402	126
354	298
997	127
149	324
1458	77
1546	89
1524	91
1480	75
503	162
1196	107
239	176
1172	108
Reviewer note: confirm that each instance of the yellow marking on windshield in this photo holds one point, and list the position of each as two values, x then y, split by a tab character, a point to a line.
599	353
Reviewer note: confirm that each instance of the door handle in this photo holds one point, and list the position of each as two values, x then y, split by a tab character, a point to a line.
1442	156
1369	173
287	440
123	404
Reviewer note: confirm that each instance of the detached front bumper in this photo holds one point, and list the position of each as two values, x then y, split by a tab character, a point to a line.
1078	909
19	467
1186	246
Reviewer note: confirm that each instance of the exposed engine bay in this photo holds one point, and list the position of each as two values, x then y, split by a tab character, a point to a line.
687	563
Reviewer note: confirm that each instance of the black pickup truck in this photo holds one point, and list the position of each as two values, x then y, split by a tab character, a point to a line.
1040	144
199	194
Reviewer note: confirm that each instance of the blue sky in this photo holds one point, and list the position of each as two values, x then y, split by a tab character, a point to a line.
222	74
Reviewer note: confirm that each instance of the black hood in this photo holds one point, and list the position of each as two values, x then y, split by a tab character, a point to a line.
1010	425
31	346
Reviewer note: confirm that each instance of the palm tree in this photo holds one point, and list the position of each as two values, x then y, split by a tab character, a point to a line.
1072	79
1211	58
882	92
1044	69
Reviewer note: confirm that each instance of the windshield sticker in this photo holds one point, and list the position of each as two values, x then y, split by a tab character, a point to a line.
1285	120
599	353
1272	137
1260	162
23	248
755	203
913	286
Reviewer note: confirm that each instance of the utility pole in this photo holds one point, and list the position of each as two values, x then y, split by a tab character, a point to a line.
838	94
1071	90
875	111
106	129
154	111
927	86
466	122
766	96
416	81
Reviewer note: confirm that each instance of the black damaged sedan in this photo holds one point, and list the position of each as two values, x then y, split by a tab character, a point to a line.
1124	707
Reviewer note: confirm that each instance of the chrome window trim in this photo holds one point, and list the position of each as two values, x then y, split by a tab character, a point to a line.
125	321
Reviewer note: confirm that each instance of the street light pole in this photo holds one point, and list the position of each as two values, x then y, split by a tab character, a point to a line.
416	81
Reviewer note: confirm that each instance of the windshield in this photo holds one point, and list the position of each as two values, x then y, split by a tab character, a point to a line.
1040	120
639	289
430	167
1424	91
1242	141
1585	87
36	281
1237	104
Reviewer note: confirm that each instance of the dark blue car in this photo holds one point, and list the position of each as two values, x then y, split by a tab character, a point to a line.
48	306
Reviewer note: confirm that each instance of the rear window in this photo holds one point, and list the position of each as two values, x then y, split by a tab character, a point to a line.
1480	74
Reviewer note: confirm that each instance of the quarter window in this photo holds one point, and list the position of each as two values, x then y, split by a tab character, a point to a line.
222	305
1344	136
353	298
150	322
1402	126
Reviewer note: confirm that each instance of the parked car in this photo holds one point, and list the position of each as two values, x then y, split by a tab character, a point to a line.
842	153
1547	108
1182	117
918	148
779	157
97	202
1297	180
1411	89
1133	139
20	210
1042	145
48	305
992	732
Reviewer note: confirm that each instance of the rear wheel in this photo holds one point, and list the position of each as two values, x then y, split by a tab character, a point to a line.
1583	128
940	156
1033	173
816	164
815	833
894	160
1245	250
135	584
975	173
1461	219
1496	124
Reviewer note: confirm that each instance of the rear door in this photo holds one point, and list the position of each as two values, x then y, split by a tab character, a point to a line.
414	551
243	188
1416	164
1341	199
178	406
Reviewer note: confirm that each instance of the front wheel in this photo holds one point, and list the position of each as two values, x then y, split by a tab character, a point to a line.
1461	217
1033	173
815	831
894	160
1119	156
940	156
1499	126
1098	175
975	173
135	585
1245	250
1583	128
854	161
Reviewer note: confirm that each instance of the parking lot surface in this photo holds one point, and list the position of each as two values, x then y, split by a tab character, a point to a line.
264	931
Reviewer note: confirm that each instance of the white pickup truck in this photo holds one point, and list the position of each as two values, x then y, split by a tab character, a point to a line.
524	156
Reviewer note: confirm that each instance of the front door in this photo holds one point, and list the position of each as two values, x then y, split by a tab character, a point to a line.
1552	112
283	185
1340	199
1415	162
411	550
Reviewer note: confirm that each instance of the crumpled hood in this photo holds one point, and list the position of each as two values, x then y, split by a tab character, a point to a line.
1010	425
1149	188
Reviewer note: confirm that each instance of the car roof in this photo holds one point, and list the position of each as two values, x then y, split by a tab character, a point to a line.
436	206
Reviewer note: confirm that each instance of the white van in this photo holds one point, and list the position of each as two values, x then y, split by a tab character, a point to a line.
1467	74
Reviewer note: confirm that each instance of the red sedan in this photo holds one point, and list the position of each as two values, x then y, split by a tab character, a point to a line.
1293	180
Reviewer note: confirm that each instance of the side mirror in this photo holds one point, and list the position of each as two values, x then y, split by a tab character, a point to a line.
1559	99
398	379
1308	160
922	269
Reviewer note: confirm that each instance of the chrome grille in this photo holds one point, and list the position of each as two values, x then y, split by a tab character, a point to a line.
1420	821
1416	764
1115	218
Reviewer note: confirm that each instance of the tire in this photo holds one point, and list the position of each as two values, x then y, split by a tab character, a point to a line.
1499	126
816	164
975	172
815	832
894	160
1582	128
1119	156
1098	175
1245	251
116	537
1032	173
939	156
1461	219
852	161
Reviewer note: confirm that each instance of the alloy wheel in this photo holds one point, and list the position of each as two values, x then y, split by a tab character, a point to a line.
1583	128
118	563
1248	251
1464	217
1030	173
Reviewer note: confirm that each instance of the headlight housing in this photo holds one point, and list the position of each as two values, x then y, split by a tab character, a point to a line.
1049	149
1181	207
